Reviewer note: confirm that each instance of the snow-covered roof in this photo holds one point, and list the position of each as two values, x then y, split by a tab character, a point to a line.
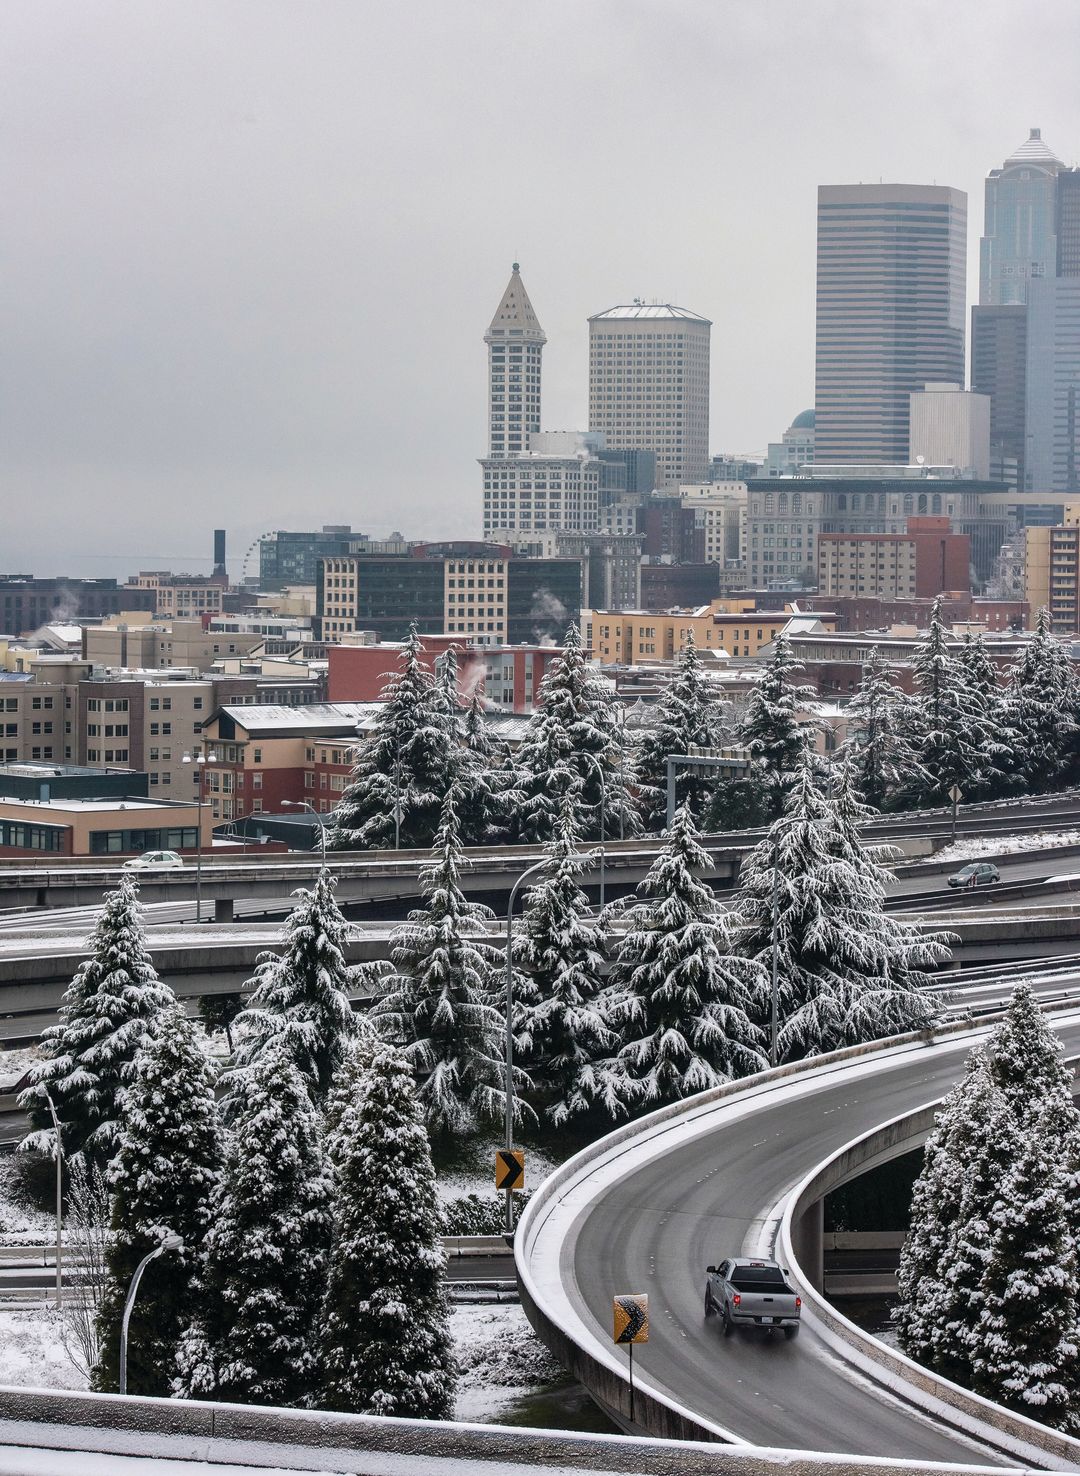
329	718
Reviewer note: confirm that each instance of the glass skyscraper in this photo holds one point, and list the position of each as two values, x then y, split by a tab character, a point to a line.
1018	243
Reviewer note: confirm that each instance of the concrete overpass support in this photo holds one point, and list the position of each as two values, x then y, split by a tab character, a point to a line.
223	909
809	1243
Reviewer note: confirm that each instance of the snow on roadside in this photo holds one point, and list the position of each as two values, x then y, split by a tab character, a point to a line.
477	1174
1006	845
19	1223
500	1359
32	1352
15	1062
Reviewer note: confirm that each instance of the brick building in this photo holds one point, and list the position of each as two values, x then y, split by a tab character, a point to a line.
927	559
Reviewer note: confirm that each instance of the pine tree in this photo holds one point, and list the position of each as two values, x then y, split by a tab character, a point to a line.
260	1288
303	990
680	995
440	1001
848	970
771	727
1042	711
687	716
1025	1057
957	1137
886	766
484	781
402	765
559	952
385	1344
573	750
110	1008
989	717
167	1163
1025	1352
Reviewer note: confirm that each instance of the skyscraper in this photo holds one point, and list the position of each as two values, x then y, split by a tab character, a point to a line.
1017	243
890	312
515	343
649	386
1052	414
1067	222
1017	248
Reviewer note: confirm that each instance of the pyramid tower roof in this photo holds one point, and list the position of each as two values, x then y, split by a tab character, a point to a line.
516	311
1033	151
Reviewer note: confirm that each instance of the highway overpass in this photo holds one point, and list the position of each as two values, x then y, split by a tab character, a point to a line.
648	1207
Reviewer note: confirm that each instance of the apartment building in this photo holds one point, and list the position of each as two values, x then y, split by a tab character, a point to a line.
508	677
33	718
155	645
620	637
1052	571
182	596
926	560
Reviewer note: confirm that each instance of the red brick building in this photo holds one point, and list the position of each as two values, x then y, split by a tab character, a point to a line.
508	676
927	560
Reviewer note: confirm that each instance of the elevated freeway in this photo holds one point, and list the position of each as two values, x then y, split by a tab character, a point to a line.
650	1206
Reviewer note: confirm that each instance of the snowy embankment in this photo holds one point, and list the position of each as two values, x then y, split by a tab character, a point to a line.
1006	845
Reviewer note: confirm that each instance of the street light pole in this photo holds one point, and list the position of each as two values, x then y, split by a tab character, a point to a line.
169	1243
200	761
509	1094
59	1200
603	823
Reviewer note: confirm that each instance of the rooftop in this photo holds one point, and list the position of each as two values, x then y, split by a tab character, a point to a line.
639	309
1033	151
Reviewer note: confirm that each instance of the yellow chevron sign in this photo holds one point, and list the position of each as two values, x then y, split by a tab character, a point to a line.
631	1318
510	1168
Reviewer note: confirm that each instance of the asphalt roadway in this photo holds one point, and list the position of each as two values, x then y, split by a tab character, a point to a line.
658	1227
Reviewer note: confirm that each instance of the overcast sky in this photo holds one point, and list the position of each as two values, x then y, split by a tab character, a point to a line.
250	247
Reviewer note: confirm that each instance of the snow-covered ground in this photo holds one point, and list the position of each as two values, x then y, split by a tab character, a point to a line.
32	1352
15	1062
500	1359
1006	845
476	1175
19	1224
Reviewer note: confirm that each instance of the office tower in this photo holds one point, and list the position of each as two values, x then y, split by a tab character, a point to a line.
1052	402
950	426
1067	222
1017	248
1017	244
890	312
515	343
220	568
998	369
649	386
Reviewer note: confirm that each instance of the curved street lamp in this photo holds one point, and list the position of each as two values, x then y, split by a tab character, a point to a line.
169	1242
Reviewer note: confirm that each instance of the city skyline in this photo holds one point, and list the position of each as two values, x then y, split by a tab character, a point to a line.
190	354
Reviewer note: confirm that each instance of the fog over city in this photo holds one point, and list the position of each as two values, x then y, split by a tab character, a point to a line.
251	247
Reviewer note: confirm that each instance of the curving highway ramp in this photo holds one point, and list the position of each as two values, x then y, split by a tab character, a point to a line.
649	1206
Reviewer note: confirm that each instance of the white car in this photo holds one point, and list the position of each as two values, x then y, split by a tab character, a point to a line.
155	861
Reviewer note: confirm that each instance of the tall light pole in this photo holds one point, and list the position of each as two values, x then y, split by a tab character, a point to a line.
307	805
200	760
169	1242
531	871
603	821
59	1200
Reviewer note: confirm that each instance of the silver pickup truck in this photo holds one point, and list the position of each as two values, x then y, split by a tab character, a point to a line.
751	1293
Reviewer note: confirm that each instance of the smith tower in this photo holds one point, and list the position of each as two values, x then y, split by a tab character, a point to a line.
515	343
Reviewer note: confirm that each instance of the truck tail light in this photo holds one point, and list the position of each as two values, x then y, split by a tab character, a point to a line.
737	1300
798	1303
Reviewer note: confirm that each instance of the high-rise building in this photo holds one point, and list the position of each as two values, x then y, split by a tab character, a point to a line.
515	343
1017	248
998	369
1052	406
950	426
890	312
1067	222
795	448
1017	244
649	386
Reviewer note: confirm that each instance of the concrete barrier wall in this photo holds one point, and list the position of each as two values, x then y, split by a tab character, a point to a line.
1017	1435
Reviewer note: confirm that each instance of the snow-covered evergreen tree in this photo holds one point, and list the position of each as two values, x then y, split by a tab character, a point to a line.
573	750
559	952
954	728
403	763
771	727
1042	711
958	1136
680	995
688	714
886	766
1025	1057
110	1007
1025	1349
485	779
442	1000
848	970
303	990
167	1163
385	1342
260	1287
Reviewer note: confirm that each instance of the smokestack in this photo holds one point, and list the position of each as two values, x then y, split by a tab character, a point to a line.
219	552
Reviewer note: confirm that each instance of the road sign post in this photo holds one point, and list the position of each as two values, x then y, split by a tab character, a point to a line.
630	1325
510	1175
956	794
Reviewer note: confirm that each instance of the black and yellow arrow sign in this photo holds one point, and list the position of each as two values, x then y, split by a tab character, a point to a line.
510	1168
631	1317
